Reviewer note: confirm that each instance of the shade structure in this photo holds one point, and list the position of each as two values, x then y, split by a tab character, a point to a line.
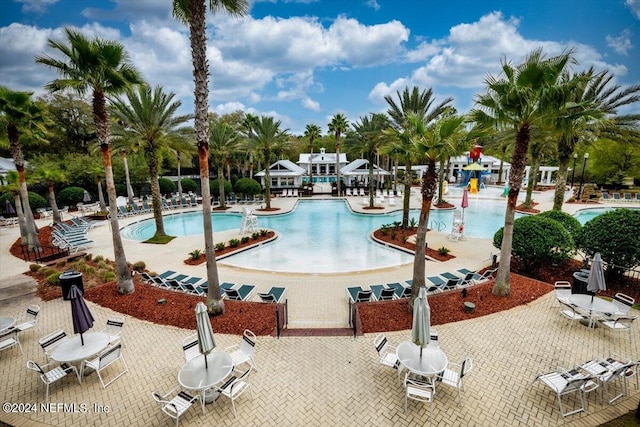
80	314
206	343
473	167
9	207
596	280
420	329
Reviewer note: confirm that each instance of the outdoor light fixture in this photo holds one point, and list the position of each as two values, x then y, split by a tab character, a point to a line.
584	166
573	171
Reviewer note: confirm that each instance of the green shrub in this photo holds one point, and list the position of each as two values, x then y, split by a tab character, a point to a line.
413	223
234	243
214	187
219	246
188	185
195	254
264	232
98	258
88	257
247	186
444	250
102	264
36	201
53	278
61	263
108	276
615	235
569	222
538	240
166	186
244	239
255	235
139	266
34	267
70	196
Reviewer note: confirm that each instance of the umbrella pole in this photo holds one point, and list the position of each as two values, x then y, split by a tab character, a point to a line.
81	339
206	362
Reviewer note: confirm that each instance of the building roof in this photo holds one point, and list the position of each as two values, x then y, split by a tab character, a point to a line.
283	168
361	167
322	157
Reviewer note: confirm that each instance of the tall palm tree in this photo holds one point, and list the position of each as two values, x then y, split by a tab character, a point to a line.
12	185
22	117
400	145
102	67
338	125
49	171
193	13
541	148
147	119
432	142
367	139
516	100
588	105
267	138
224	142
312	132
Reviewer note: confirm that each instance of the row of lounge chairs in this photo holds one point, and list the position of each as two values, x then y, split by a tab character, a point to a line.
72	236
440	283
625	197
290	192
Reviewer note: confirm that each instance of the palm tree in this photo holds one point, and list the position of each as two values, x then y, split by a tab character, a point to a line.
337	126
541	148
147	120
48	170
102	67
224	142
19	113
516	101
312	132
12	185
367	139
267	138
418	103
400	145
432	142
193	13
588	105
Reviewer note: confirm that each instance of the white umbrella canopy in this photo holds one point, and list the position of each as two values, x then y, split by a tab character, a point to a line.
206	343
420	329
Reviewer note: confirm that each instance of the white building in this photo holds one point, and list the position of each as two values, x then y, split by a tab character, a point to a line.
322	165
283	174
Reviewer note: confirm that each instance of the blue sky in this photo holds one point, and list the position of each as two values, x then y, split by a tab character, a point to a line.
302	61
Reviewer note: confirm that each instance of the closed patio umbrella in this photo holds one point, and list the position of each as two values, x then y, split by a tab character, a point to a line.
80	314
86	198
206	343
596	276
420	329
465	202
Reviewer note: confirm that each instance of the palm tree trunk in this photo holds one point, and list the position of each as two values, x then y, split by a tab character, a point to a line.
441	183
267	187
533	174
518	162
126	177
101	120
57	218
338	162
179	183
198	40
103	205
156	197
22	223
561	184
223	203
371	189
429	182
30	222
406	197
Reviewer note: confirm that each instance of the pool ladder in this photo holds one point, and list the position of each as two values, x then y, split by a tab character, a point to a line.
437	225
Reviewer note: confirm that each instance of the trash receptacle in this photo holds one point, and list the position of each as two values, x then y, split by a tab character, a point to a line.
69	278
580	280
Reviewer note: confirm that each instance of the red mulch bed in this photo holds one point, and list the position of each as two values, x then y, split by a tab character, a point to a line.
228	249
531	209
400	240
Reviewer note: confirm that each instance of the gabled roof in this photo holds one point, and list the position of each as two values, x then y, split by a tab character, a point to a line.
361	167
283	168
329	158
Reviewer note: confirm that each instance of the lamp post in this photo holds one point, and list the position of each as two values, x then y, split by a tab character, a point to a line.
584	166
573	171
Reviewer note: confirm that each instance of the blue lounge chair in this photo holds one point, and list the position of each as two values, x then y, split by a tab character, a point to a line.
377	290
190	285
400	291
357	294
275	294
240	294
450	276
463	271
387	293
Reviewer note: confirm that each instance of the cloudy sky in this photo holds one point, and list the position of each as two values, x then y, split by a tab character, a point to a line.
303	61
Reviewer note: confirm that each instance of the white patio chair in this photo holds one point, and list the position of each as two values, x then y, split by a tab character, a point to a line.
386	353
235	386
623	303
30	320
9	338
114	327
190	347
563	384
571	313
454	374
174	406
52	372
562	291
244	352
619	324
418	390
104	360
51	341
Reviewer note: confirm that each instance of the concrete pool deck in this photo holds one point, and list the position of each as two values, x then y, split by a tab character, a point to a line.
318	381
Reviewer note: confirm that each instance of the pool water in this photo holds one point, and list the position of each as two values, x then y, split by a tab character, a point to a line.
585	215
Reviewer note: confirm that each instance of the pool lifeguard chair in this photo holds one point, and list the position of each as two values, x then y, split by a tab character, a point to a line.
249	222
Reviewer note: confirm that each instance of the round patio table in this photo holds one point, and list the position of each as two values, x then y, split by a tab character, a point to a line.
595	306
6	323
195	376
432	362
72	350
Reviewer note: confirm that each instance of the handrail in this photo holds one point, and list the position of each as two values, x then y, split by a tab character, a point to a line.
437	225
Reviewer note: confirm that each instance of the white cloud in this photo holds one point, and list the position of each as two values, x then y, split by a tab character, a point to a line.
310	104
634	5
621	44
135	10
373	4
36	6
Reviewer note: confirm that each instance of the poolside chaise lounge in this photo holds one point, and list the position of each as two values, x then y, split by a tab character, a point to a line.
400	291
240	294
383	293
275	294
435	284
357	294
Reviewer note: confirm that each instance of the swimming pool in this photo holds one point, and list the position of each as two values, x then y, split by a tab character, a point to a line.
585	215
321	236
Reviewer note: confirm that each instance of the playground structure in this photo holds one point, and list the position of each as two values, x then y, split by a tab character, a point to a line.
473	173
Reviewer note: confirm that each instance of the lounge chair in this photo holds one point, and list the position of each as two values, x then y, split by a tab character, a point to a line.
123	212
135	209
563	383
400	291
451	276
437	284
240	294
357	294
190	285
387	293
275	294
348	192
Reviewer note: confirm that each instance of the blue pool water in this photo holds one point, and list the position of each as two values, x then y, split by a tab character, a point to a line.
585	215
